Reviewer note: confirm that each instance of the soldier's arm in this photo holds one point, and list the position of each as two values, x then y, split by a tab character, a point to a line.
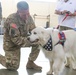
15	36
13	32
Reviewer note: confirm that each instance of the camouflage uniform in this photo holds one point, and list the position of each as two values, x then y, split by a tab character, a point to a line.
15	36
0	12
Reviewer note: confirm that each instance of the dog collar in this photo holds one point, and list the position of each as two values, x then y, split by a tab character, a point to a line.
48	45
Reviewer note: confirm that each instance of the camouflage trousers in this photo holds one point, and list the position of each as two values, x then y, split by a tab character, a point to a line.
11	60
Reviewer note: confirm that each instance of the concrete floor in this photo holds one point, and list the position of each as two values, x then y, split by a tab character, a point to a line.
41	60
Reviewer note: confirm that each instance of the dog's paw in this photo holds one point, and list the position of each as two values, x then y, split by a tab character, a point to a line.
74	67
67	66
49	73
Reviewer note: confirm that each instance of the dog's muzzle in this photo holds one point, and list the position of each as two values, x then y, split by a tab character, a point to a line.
32	41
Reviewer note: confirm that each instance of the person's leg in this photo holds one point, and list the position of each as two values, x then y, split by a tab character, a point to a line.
11	60
34	53
32	57
64	28
3	60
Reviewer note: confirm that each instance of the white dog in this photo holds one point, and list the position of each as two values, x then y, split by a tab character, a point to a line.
57	52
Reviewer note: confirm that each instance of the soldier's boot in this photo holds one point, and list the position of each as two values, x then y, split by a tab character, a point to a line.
2	60
32	65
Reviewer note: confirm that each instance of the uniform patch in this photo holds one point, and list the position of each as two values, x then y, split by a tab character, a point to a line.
13	25
13	29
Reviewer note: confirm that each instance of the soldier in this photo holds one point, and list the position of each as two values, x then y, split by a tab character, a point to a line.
16	27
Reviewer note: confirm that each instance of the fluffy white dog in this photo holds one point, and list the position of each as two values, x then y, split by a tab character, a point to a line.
57	52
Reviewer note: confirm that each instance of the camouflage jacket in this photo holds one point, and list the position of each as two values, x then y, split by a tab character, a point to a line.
15	31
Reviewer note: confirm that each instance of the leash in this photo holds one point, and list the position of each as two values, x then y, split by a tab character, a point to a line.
63	19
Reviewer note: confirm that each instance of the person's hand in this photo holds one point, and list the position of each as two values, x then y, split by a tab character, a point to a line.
64	12
70	14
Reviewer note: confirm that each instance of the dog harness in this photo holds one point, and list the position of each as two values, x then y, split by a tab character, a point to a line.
62	38
48	46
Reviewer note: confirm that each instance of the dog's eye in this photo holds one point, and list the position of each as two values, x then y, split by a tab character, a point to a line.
29	33
35	33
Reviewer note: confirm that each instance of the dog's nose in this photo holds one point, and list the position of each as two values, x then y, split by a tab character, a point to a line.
28	38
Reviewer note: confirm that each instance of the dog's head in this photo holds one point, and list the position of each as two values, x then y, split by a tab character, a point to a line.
38	36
